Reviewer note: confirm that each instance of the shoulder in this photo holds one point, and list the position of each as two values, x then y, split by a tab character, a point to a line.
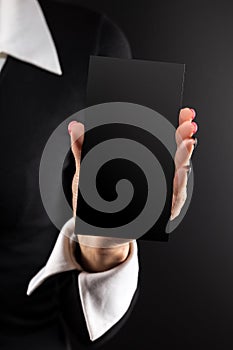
71	13
78	21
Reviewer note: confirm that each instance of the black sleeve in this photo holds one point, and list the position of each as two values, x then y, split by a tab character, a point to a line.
112	40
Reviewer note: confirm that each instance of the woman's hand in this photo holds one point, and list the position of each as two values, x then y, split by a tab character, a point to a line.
185	146
94	258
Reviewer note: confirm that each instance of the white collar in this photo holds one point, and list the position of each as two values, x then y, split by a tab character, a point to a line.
24	34
105	296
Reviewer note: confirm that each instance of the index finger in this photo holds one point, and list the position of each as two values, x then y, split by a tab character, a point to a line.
186	114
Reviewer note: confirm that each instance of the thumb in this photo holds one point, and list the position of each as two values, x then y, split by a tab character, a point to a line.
76	131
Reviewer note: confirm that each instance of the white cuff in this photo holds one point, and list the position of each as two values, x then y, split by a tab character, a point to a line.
105	296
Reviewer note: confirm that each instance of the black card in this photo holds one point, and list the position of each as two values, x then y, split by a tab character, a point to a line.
130	102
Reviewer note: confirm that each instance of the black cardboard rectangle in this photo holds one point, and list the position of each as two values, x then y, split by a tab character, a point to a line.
157	85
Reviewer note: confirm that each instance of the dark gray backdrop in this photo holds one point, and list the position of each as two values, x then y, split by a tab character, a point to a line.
187	291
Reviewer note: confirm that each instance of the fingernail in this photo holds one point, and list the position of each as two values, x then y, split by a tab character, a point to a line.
194	127
70	124
194	113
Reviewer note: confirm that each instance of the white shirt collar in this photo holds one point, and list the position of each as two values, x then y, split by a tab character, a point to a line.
24	34
105	296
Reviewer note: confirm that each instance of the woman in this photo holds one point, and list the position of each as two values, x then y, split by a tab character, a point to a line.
45	49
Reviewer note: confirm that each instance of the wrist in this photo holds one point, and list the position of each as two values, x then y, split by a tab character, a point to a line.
102	259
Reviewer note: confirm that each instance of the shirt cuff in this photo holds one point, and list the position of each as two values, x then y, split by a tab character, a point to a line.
105	296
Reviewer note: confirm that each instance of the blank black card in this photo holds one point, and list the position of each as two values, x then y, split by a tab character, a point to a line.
156	85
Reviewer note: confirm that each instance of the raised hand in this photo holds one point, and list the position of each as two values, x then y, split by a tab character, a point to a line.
97	253
101	253
185	146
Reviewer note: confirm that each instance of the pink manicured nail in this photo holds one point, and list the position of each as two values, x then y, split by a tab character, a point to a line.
195	127
70	124
194	113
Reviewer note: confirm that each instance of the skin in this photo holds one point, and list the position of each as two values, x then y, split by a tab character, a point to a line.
95	259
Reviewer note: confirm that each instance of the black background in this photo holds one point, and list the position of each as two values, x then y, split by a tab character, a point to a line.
187	284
